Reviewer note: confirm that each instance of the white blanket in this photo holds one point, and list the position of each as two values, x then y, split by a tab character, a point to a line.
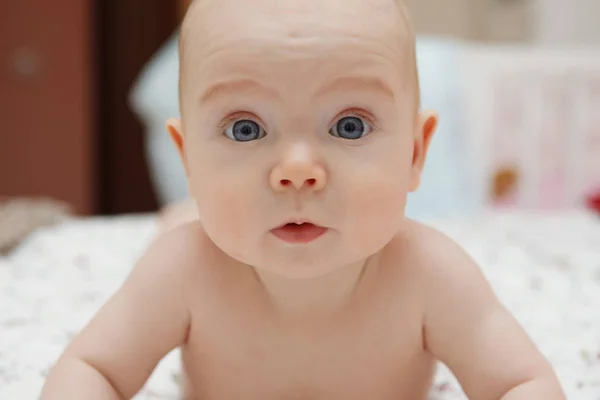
545	268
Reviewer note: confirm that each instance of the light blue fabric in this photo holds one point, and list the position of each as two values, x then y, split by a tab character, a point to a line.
444	188
155	99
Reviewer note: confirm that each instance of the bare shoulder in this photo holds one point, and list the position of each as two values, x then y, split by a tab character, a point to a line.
466	326
181	241
436	266
181	248
451	281
437	258
169	266
197	268
154	298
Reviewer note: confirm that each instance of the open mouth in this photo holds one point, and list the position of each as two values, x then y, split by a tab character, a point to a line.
299	232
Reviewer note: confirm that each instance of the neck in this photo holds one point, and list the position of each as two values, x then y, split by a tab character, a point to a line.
316	297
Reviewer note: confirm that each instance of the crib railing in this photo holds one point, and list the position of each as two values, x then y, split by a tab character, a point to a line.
533	119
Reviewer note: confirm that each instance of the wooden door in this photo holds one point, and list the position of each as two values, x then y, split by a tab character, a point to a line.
46	86
130	32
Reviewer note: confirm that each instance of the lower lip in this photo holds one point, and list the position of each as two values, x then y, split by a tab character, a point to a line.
305	233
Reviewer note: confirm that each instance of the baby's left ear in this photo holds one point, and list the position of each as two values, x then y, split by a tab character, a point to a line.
425	128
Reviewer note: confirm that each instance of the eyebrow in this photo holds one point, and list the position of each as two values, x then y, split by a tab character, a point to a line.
232	86
351	82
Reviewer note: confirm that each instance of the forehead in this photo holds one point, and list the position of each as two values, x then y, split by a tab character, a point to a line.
214	25
294	16
232	36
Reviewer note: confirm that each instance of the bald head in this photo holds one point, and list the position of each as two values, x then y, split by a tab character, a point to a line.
208	21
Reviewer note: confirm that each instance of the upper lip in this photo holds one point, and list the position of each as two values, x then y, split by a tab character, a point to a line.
297	221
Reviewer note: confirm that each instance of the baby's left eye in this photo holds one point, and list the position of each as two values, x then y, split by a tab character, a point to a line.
351	128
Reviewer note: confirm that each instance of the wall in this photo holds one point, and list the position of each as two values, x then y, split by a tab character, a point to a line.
547	22
484	20
441	17
567	22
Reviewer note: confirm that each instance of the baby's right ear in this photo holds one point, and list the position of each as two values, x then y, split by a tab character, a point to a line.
176	133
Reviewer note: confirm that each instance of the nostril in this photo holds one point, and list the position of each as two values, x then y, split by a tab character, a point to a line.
286	183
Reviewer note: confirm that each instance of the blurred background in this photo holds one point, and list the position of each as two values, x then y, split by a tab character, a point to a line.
86	87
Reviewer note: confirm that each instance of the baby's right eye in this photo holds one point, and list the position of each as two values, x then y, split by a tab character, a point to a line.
244	130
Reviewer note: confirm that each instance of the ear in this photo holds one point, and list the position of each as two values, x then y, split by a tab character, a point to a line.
176	133
424	131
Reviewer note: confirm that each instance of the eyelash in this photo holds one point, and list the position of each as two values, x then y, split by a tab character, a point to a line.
236	117
352	112
355	112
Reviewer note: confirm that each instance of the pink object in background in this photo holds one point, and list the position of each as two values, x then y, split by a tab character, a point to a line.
544	123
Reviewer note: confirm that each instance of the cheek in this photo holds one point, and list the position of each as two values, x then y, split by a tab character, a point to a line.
375	203
228	219
382	198
226	184
226	201
375	215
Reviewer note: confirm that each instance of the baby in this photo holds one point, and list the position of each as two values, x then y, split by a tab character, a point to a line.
301	136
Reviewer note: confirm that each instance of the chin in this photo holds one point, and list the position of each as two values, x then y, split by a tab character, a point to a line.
308	262
300	270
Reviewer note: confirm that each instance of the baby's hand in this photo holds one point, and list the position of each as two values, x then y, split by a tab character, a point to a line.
470	331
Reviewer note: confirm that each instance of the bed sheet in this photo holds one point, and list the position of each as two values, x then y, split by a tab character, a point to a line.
544	267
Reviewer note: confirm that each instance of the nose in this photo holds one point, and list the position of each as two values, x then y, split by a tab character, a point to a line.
298	171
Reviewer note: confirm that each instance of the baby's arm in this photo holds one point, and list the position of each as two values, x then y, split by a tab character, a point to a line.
467	328
148	317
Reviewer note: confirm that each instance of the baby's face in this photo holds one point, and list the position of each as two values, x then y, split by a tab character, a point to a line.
299	111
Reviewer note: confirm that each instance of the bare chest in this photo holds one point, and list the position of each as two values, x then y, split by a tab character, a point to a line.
242	358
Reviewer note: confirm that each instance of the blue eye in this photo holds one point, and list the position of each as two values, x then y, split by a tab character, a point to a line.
245	131
351	128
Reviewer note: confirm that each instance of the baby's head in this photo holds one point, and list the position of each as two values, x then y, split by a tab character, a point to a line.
295	111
